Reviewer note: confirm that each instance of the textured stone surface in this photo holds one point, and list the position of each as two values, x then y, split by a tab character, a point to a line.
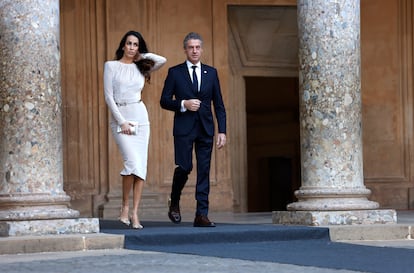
31	174
47	227
324	218
370	232
330	107
57	243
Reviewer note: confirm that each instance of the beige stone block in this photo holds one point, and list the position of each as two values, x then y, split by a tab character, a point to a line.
370	232
327	218
54	243
52	226
104	241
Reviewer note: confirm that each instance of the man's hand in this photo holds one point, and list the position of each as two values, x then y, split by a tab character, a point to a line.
192	105
221	140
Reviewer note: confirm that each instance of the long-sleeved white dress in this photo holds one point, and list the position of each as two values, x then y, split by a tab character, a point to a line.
123	84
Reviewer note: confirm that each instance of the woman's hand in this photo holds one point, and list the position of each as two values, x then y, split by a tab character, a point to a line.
126	128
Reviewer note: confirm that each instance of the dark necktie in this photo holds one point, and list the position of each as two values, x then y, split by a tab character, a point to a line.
195	80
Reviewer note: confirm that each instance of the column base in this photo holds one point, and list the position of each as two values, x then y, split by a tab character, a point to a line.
38	213
332	199
49	227
37	206
342	217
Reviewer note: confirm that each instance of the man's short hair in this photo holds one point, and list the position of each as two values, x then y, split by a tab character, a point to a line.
192	36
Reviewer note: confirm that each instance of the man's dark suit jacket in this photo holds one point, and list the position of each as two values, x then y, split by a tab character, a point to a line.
178	87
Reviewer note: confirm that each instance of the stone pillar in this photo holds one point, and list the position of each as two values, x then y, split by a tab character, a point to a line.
332	190
31	170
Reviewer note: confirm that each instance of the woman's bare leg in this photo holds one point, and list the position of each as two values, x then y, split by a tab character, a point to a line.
127	182
137	193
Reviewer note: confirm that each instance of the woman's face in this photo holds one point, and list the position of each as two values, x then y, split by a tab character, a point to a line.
131	47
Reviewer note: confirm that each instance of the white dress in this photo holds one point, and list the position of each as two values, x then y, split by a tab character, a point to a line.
123	84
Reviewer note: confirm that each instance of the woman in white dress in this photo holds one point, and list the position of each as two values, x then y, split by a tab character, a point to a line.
124	79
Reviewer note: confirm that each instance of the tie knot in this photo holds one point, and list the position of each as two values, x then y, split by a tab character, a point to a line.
194	67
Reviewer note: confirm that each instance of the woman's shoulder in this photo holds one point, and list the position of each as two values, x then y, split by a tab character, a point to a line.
116	65
111	63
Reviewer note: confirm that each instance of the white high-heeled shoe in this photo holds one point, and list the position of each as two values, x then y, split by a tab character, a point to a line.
125	221
136	225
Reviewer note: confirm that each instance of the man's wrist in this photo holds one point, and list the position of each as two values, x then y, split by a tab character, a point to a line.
183	109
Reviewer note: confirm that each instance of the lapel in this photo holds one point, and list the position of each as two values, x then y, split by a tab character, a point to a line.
204	75
187	77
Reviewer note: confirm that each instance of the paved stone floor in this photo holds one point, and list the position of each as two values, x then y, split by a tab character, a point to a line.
115	261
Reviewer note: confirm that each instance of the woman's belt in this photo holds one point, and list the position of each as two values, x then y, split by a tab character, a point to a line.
126	103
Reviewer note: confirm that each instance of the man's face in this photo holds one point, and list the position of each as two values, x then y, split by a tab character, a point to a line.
193	50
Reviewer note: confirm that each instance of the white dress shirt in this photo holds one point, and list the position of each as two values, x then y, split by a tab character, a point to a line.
190	71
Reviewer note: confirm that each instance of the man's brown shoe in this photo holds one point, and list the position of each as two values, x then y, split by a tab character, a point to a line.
203	221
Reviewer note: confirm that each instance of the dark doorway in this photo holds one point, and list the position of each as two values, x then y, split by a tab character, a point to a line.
273	149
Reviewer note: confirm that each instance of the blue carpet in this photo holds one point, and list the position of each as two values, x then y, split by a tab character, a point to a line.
162	233
299	245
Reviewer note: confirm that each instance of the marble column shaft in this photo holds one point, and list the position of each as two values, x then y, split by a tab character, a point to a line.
31	170
330	107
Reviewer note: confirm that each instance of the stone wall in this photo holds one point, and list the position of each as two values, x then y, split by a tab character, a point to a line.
238	44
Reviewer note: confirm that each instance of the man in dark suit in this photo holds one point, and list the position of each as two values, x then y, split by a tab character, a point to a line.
189	90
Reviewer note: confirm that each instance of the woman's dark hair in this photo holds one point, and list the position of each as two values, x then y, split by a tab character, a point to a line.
144	65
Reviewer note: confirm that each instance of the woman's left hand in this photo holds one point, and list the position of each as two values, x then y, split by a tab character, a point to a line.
125	128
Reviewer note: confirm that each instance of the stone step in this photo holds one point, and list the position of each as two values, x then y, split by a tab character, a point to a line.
116	236
371	232
151	205
63	242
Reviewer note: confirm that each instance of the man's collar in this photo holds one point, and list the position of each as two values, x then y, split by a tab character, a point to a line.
189	64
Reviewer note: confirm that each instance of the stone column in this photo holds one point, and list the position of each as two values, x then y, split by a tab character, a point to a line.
332	190
31	170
